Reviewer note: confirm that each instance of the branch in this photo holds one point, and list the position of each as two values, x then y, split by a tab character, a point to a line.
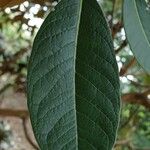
124	44
132	114
125	68
14	113
137	84
137	98
7	64
128	144
116	28
122	142
112	13
147	92
3	89
24	124
23	114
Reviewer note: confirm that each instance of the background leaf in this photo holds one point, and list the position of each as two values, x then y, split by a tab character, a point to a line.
137	26
73	83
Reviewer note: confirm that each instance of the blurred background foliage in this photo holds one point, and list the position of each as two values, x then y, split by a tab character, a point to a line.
18	27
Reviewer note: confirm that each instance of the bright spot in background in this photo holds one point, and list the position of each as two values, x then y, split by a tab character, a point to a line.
54	3
119	62
22	8
24	27
26	3
123	59
117	58
124	79
34	10
120	65
45	8
35	22
123	37
7	10
130	77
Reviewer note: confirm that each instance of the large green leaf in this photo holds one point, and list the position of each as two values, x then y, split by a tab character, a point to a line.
137	26
73	84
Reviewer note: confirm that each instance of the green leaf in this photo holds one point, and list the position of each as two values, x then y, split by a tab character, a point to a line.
73	83
136	16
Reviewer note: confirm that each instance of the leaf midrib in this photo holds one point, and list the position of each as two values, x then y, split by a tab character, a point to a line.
76	41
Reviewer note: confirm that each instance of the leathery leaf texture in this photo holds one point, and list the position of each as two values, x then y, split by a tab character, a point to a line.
136	14
73	83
